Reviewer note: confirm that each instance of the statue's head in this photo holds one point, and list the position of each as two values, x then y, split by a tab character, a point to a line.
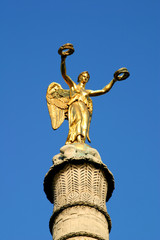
84	77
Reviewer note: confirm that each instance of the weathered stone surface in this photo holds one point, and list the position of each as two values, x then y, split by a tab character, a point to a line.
82	220
77	151
79	184
82	238
76	154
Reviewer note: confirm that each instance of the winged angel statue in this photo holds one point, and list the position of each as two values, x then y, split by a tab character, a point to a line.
75	104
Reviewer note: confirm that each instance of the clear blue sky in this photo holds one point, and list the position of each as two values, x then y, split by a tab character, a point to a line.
125	128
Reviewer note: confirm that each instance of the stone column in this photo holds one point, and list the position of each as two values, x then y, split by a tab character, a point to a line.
79	184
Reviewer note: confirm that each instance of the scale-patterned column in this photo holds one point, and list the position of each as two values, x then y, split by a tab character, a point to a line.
79	184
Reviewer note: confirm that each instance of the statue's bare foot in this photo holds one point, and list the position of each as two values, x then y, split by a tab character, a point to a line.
79	138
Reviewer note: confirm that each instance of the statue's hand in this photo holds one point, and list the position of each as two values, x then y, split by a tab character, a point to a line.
66	49
63	57
121	74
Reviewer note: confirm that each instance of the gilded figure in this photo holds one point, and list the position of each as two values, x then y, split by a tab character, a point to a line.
75	104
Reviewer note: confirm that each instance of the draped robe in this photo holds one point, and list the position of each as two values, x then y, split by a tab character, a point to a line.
79	118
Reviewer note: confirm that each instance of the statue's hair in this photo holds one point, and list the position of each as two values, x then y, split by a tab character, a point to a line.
81	74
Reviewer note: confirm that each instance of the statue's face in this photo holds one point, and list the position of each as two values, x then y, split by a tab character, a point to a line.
84	77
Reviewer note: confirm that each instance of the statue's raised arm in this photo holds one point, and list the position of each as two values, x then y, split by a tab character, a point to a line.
58	98
64	53
119	75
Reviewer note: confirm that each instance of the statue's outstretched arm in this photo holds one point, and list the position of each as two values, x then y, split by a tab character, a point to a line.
106	89
67	79
119	75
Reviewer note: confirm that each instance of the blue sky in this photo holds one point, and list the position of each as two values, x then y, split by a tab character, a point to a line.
106	35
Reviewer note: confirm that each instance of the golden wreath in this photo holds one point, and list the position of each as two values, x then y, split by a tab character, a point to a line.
66	49
124	72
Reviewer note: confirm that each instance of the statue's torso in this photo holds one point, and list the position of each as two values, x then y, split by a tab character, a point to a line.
77	93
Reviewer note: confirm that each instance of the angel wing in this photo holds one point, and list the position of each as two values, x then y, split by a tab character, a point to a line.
57	102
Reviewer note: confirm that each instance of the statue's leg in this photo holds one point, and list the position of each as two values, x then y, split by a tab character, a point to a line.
74	117
78	122
80	138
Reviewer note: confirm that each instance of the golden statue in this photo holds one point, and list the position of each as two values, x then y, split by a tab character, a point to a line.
75	104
